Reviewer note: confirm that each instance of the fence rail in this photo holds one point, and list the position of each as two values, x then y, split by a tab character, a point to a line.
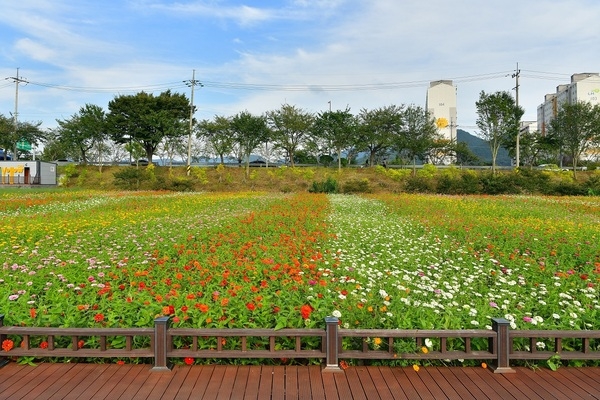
497	346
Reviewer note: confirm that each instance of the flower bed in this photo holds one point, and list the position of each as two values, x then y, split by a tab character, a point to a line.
86	259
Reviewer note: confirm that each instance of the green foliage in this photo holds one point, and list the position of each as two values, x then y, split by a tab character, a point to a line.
592	185
329	185
130	178
418	184
81	179
70	171
498	184
428	171
356	186
554	362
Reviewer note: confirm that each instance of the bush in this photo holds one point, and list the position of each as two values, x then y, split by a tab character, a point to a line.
418	184
130	178
592	185
356	186
330	185
498	184
532	180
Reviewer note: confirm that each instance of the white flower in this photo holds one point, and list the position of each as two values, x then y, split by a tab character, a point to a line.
336	313
428	343
555	316
474	323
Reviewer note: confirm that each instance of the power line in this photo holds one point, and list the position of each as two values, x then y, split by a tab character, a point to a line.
270	87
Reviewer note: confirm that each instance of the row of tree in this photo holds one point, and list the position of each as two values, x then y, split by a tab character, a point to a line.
143	125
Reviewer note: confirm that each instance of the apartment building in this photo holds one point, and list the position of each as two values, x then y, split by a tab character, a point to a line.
441	104
584	87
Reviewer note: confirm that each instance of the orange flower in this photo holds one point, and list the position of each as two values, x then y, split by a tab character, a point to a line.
99	317
305	310
7	345
202	307
483	365
32	312
343	365
80	344
120	362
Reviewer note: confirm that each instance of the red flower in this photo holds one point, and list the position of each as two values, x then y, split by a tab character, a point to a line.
250	306
32	312
7	345
99	317
44	345
202	307
120	362
188	360
80	344
168	310
305	310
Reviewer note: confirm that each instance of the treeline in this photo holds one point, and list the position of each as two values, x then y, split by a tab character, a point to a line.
144	126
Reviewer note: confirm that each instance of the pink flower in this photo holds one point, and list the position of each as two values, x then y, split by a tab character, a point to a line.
527	319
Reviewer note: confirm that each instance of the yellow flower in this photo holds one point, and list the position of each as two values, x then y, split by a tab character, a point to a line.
416	367
483	365
425	350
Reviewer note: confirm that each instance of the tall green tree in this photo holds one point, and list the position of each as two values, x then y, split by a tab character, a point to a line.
10	135
576	128
249	131
377	130
498	120
291	127
148	119
337	129
419	133
85	130
218	135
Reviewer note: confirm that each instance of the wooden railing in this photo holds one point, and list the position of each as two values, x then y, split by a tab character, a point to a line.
497	346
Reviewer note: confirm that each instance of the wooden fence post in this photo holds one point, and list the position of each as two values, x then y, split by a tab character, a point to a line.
3	360
331	345
161	363
502	350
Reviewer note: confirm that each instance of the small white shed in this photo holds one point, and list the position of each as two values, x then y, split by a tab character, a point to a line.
27	173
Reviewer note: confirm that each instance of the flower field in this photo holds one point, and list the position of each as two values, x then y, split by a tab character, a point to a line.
249	260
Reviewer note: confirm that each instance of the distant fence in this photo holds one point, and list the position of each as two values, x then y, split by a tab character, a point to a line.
330	345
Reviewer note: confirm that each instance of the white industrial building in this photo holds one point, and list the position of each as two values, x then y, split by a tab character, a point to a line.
584	87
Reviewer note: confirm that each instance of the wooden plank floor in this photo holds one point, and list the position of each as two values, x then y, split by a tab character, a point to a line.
111	381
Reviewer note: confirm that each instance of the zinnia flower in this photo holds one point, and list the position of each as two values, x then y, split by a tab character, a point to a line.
305	311
7	345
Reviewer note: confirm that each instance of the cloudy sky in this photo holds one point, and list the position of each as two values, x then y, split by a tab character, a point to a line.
257	55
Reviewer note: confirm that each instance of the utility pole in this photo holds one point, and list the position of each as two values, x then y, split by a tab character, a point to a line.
516	88
191	83
16	80
452	125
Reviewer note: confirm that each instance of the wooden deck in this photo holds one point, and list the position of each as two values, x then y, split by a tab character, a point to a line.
111	381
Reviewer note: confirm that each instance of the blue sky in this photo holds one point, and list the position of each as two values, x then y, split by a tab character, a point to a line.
258	55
